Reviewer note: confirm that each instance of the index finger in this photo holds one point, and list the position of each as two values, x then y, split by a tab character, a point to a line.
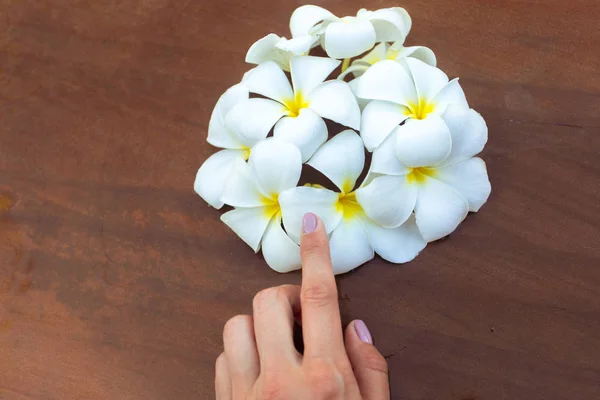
321	322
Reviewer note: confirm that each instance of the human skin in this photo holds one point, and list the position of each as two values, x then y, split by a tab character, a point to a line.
260	361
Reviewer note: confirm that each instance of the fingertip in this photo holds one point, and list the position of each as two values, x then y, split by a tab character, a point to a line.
370	367
356	336
362	332
314	239
310	223
351	334
221	361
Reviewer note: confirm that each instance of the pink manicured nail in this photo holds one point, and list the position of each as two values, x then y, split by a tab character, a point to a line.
309	223
363	332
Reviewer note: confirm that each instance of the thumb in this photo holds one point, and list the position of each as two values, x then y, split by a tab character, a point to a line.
370	368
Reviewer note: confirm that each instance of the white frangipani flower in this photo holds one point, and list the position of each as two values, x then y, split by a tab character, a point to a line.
354	218
298	111
398	51
423	177
213	174
279	49
254	190
440	194
384	51
416	94
351	36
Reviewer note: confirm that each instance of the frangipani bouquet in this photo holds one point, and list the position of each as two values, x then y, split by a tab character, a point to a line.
418	182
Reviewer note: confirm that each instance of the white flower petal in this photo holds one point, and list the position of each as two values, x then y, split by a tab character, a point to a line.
470	179
398	245
422	53
269	80
355	69
214	174
234	95
423	143
298	46
428	80
334	100
241	189
363	14
379	119
378	53
439	209
469	133
385	161
281	253
298	201
279	49
452	93
362	103
305	17
218	134
391	24
247	74
307	132
349	39
265	49
249	224
361	62
389	81
370	177
341	159
388	200
309	72
349	246
250	121
276	166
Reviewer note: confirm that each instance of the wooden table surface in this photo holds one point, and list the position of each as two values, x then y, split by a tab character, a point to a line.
116	278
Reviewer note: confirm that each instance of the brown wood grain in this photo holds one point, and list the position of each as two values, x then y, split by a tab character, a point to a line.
116	279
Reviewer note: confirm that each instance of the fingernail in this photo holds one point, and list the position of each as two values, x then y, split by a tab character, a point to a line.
363	332
309	223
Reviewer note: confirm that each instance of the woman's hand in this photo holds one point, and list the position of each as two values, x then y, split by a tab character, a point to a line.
260	361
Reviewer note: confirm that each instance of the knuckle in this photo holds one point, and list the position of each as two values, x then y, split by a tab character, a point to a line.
265	297
236	324
271	389
289	289
325	380
319	294
375	362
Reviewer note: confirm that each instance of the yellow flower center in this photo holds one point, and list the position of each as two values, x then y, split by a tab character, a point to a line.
271	206
314	185
246	153
296	104
392	54
420	174
348	205
371	60
419	111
